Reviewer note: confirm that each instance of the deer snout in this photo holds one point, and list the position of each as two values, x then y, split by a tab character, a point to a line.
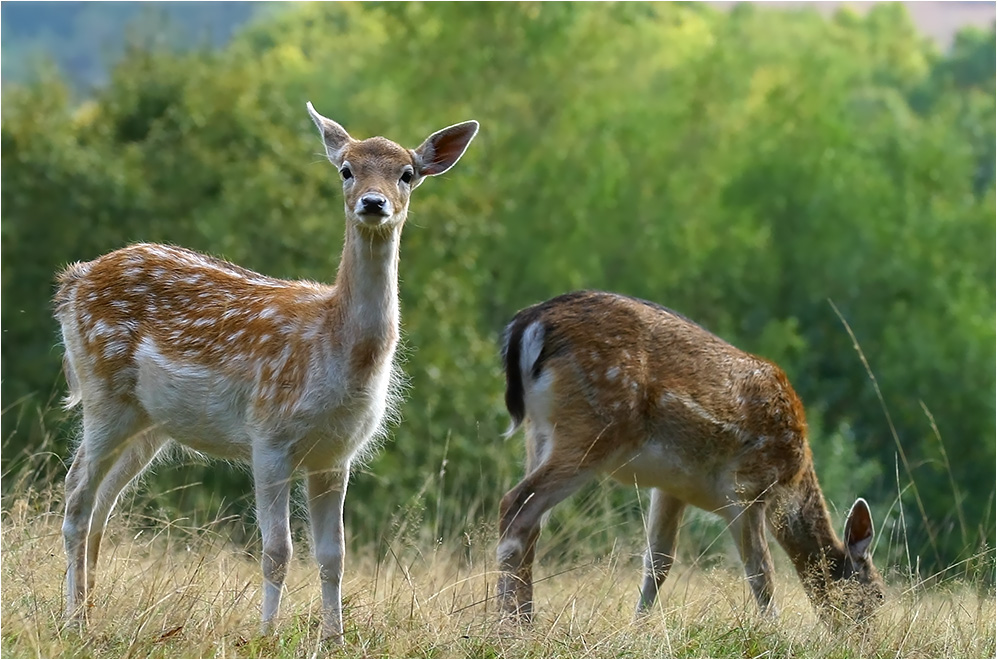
373	204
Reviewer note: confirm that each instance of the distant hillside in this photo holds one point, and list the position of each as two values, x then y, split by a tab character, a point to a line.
940	20
83	38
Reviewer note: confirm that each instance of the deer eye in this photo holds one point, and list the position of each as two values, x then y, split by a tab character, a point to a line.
406	177
346	173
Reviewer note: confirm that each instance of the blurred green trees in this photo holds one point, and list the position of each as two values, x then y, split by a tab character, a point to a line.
745	168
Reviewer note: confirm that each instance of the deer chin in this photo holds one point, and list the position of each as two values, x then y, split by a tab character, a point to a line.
374	219
378	227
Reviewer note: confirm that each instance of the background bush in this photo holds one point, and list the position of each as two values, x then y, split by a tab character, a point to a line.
745	168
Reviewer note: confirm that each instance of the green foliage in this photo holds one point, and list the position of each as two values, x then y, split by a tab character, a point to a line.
743	168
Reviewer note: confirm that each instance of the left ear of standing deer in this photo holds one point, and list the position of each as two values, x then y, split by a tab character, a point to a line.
164	343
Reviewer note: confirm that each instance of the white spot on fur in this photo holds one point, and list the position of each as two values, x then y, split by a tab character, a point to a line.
692	406
612	373
115	348
103	329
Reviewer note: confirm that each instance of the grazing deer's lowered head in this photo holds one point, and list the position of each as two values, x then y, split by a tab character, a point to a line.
164	343
610	384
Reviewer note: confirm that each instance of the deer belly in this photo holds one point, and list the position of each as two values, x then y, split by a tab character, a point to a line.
660	464
195	406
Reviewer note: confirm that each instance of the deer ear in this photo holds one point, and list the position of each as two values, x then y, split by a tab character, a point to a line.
334	136
858	530
443	149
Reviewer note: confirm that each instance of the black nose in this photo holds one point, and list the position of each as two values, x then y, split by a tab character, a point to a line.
373	203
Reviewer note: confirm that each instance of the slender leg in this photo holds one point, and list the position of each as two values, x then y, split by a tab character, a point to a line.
748	529
519	527
75	527
132	461
326	494
662	532
272	472
104	439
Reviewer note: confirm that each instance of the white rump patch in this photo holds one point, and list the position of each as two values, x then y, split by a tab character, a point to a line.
530	346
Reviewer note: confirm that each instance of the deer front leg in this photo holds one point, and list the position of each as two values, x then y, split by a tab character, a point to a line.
663	522
272	473
326	494
748	529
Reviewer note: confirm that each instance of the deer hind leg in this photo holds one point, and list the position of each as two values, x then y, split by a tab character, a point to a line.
106	441
520	515
663	522
747	524
326	494
132	462
272	473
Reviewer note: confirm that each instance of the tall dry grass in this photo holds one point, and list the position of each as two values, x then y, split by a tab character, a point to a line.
167	589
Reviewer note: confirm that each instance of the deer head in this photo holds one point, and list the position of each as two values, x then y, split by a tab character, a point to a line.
380	175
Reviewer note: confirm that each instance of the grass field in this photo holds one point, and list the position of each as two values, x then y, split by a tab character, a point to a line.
166	590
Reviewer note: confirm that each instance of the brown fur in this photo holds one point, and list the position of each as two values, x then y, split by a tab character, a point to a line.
164	343
632	389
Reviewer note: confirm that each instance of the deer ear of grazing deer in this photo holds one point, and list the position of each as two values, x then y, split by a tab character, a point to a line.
163	343
858	531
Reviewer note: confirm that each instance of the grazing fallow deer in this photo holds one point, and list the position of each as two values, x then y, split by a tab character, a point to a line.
611	384
163	343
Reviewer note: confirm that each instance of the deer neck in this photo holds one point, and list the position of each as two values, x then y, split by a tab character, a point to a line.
801	523
367	288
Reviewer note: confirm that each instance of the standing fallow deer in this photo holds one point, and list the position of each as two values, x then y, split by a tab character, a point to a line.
615	385
163	343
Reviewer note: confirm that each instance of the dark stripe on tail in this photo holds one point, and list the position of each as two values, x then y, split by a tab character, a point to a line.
512	348
511	344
